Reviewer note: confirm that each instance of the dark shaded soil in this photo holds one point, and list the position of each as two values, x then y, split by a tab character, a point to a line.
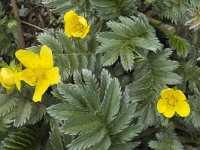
34	17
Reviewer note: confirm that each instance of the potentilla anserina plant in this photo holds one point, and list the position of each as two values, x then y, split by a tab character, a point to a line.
100	75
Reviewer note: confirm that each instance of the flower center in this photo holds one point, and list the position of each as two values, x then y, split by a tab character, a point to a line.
79	27
40	73
172	101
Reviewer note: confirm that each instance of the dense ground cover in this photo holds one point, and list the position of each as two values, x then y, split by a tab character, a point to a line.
99	74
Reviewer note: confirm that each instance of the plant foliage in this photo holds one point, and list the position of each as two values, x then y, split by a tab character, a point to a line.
55	140
190	73
172	10
175	11
70	55
166	141
130	39
181	45
109	9
23	139
63	6
97	113
111	78
193	119
152	75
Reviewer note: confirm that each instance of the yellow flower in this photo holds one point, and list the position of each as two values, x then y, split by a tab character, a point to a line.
9	77
171	101
75	25
39	70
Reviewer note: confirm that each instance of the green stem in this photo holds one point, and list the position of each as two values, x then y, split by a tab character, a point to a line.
165	28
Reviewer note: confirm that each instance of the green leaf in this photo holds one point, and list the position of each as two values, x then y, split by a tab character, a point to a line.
89	123
65	111
153	74
105	80
127	134
194	116
53	122
47	39
70	95
78	78
111	101
6	122
149	42
65	42
81	124
87	140
70	55
92	87
37	112
7	103
62	6
112	55
123	120
190	73
173	10
55	139
103	144
148	113
90	80
167	140
21	140
90	97
127	60
22	112
129	39
181	45
195	3
56	94
109	9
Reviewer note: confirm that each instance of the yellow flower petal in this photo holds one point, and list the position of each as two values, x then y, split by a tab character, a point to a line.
18	83
75	25
27	58
182	108
166	93
178	94
169	112
28	76
46	57
7	76
53	76
83	21
40	88
6	86
162	105
70	18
